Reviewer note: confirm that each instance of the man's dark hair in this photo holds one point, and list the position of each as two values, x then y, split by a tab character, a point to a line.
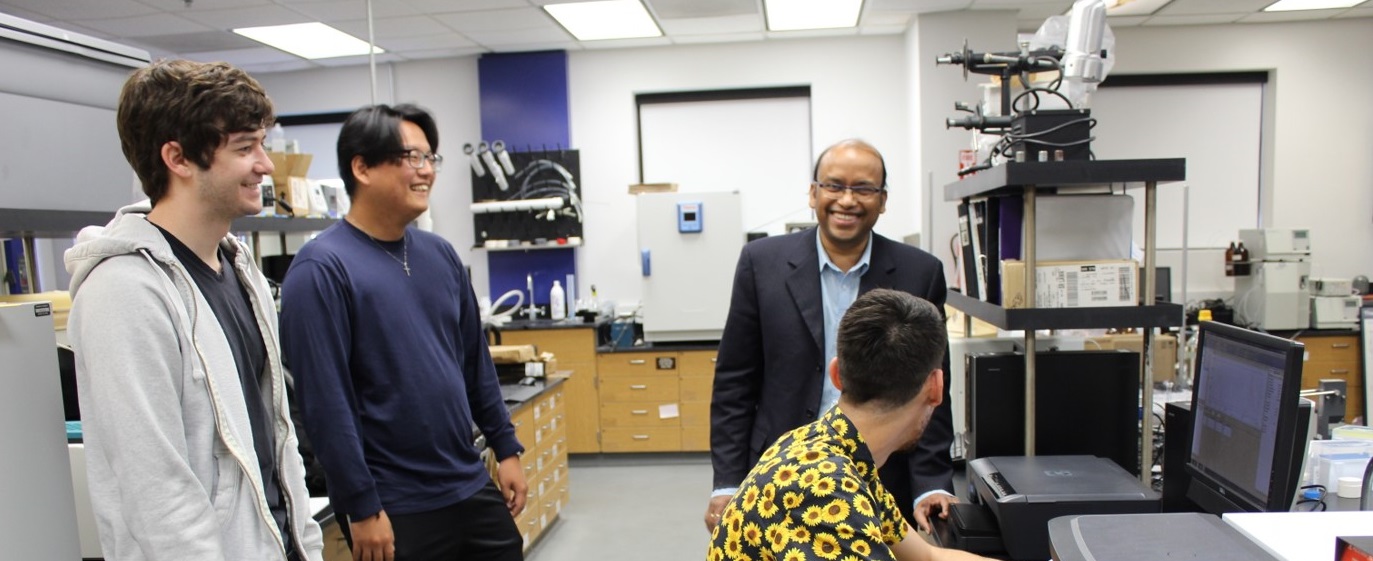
889	342
195	104
373	132
862	145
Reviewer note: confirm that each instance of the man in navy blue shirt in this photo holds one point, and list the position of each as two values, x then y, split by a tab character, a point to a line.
381	330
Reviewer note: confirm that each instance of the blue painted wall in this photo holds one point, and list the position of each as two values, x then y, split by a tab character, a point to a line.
524	103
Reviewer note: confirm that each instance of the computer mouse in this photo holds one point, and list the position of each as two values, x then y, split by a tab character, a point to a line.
528	381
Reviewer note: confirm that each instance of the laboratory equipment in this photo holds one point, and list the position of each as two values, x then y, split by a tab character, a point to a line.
689	244
1274	295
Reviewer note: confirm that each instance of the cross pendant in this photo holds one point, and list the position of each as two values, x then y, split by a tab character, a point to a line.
407	268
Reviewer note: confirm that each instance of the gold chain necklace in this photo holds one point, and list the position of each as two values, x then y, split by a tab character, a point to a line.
404	247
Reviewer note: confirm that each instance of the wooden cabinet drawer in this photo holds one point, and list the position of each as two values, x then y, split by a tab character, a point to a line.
523	419
640	388
696	439
641	439
635	414
1336	348
636	364
697	388
1313	372
696	363
695	413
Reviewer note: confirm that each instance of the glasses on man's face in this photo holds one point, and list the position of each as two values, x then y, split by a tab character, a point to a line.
863	192
416	159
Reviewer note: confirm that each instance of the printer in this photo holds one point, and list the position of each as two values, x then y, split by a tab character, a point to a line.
1024	493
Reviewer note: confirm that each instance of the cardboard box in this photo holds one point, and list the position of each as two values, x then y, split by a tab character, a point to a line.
292	189
512	354
1072	284
637	188
1165	351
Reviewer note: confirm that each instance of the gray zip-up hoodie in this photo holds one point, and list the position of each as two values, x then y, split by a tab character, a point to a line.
169	449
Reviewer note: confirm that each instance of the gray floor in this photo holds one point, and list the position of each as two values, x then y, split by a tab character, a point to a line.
631	507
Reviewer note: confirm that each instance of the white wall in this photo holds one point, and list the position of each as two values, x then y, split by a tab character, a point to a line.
446	87
1321	173
858	89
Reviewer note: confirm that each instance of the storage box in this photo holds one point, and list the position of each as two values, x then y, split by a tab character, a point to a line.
292	189
638	188
1072	284
1165	351
511	354
61	304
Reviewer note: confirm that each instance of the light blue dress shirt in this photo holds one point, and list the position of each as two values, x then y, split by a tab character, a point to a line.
838	290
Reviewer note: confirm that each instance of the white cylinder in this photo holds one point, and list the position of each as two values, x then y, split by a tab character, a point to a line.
557	302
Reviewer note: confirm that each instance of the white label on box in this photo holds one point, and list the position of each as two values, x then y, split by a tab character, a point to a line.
668	411
1087	285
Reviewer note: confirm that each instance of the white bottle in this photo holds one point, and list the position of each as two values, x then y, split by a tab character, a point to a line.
557	302
276	139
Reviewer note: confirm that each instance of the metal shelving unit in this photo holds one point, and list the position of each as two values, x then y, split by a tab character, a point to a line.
1032	179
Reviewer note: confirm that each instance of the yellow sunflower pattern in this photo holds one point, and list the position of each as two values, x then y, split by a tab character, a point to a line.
813	496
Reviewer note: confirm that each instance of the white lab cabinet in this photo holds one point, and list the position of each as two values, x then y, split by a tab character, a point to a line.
689	244
37	511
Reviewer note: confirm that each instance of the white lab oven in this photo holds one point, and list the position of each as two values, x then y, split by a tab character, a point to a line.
689	244
37	513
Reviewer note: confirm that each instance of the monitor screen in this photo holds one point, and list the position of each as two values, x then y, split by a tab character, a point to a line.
1245	425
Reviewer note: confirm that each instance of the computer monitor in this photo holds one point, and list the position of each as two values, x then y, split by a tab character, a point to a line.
1245	427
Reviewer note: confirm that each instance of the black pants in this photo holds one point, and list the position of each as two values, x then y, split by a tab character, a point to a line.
479	528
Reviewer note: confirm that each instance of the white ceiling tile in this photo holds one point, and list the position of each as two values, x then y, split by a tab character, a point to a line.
448	40
1198	7
1357	13
343	10
808	33
885	18
1200	19
180	5
198	42
388	28
1269	17
498	20
622	43
1041	11
357	60
239	57
446	6
444	53
712	26
916	6
252	16
18	12
143	26
721	38
882	29
518	36
1127	21
568	45
1014	4
283	66
671	9
84	9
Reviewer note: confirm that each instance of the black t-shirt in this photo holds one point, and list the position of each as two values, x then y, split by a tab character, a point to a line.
231	306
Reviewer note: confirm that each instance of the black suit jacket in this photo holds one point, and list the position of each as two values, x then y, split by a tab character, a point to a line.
771	363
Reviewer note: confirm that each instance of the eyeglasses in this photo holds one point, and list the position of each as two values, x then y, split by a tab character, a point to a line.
416	159
864	192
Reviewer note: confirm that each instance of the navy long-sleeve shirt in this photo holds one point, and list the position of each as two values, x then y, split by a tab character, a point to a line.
392	371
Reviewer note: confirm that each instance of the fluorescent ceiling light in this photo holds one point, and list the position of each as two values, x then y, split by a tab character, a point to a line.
791	15
608	19
1132	7
1294	5
308	40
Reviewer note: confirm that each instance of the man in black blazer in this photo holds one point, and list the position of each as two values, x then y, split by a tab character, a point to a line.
787	302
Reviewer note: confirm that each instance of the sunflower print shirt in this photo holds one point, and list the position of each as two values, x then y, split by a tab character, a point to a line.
813	495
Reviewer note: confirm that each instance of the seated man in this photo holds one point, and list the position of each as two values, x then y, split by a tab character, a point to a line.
815	493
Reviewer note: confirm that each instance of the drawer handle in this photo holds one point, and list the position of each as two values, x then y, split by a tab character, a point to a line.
713	359
1339	345
638	361
1339	370
640	437
638	387
639	412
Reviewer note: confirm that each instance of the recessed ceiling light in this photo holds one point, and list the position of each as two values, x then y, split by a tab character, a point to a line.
308	40
608	19
791	15
1294	5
